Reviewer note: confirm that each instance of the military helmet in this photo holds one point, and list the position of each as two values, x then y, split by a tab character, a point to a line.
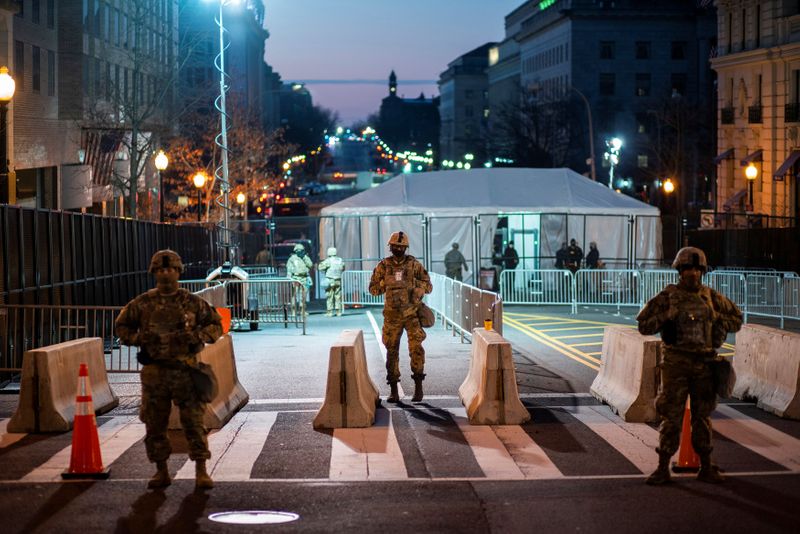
166	258
298	247
399	239
690	257
332	251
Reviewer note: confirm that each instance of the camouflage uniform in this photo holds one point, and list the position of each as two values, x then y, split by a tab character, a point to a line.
171	329
398	280
692	323
333	267
453	262
298	268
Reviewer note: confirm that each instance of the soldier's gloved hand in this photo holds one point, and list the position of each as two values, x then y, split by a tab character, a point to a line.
418	293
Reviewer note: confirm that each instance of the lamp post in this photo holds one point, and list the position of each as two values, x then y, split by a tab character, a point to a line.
591	132
7	87
240	199
161	162
751	173
199	180
613	147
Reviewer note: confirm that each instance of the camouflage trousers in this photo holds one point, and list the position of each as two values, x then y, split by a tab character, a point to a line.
682	374
334	293
298	299
392	332
455	273
160	386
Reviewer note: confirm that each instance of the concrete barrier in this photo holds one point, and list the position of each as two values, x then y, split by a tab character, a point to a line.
489	392
231	396
351	396
767	366
629	377
49	385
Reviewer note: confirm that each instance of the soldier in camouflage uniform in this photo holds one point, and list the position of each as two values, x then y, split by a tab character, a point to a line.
170	326
298	268
693	320
333	267
404	281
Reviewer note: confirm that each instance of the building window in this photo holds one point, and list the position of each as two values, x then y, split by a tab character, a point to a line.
468	131
607	83
36	11
468	111
36	66
469	94
21	12
642	84
606	49
744	29
124	30
19	64
51	73
641	123
641	161
678	50
51	14
642	49
678	81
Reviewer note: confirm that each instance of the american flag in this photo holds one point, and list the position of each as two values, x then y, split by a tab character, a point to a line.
101	146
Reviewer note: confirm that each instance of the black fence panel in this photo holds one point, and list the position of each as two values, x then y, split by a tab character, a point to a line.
774	248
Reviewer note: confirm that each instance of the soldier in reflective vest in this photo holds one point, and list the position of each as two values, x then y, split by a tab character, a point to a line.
693	321
404	282
333	267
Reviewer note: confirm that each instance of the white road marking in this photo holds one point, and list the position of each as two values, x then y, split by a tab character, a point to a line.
759	437
527	454
8	438
489	451
371	453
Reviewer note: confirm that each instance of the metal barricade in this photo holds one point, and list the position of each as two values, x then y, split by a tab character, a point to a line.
260	271
652	282
764	296
607	287
730	284
355	289
791	298
532	286
262	301
464	307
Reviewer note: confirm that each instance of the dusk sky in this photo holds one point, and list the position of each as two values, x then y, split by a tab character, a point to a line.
354	44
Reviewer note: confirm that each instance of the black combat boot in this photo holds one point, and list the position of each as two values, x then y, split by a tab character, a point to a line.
201	478
161	478
661	475
394	396
709	472
417	388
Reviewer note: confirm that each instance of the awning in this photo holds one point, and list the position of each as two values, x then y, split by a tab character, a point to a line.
786	165
728	154
755	156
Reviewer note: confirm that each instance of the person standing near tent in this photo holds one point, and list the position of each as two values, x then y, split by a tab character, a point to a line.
562	255
333	267
593	257
693	321
453	261
574	256
170	326
298	268
404	282
510	262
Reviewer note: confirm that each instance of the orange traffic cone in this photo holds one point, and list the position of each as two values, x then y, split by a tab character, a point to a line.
85	461
688	460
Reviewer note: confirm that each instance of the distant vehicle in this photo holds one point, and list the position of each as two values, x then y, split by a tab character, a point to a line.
281	251
288	207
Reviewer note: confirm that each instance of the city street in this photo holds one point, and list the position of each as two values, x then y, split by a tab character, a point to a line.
421	467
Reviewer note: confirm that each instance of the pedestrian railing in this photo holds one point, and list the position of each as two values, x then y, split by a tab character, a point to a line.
355	289
262	301
464	307
545	286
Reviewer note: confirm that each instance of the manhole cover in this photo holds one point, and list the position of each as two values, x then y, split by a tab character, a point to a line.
254	517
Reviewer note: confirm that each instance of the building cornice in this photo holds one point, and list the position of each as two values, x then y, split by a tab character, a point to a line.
759	55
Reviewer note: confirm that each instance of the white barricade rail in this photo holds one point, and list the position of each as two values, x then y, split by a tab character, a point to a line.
263	301
464	307
533	286
791	297
654	281
764	296
628	378
350	396
607	287
195	286
260	271
489	393
355	289
729	283
50	381
767	366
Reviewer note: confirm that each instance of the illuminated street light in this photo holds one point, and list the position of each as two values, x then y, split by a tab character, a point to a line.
668	186
751	173
161	162
240	198
613	147
199	180
7	87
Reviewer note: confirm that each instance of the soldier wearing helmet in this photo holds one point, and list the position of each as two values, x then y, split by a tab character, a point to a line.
453	261
404	282
333	267
298	268
693	321
170	326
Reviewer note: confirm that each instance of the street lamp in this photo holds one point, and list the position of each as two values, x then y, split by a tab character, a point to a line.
669	187
161	162
613	147
240	199
591	132
7	87
751	173
199	180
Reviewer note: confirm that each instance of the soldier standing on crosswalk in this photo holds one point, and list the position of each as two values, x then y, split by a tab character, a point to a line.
170	326
403	281
693	321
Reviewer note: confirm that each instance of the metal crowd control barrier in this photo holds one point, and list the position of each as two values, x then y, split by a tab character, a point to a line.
729	283
607	287
464	307
545	286
262	301
355	289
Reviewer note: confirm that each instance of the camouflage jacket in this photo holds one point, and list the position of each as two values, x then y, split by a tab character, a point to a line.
168	327
403	283
693	321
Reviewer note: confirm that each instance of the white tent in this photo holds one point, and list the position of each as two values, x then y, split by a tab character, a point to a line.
542	208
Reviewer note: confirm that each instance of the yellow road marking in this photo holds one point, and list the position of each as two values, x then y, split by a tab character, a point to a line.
570	328
586	344
593	353
544	340
580	335
553	318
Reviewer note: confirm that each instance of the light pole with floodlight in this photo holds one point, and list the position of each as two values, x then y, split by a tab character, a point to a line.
613	147
7	87
161	162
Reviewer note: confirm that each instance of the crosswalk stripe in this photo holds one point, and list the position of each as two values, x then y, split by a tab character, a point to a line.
489	451
235	447
636	441
7	438
759	437
115	436
367	453
529	457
